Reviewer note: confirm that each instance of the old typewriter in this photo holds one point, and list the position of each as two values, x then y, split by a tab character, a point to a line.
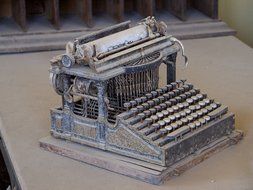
111	99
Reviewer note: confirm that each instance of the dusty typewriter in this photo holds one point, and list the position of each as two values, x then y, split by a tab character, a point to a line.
111	99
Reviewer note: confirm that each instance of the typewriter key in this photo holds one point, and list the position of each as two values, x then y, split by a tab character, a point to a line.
169	87
148	121
202	104
186	104
154	94
168	103
182	113
197	124
194	115
163	132
174	85
168	128
166	96
138	101
174	126
170	110
198	107
152	111
209	108
190	85
178	99
159	115
180	106
161	98
189	118
161	124
141	116
151	103
183	96
156	100
184	121
172	117
192	108
202	121
204	110
165	113
134	110
164	89
189	100
179	123
149	95
218	104
140	108
187	111
192	126
147	113
167	121
173	101
207	101
154	118
171	94
175	108
159	91
143	99
193	92
200	113
177	115
158	108
127	105
179	83
181	90
200	96
176	91
133	103
145	105
213	105
207	118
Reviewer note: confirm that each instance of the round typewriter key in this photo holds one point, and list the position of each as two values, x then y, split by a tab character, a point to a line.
127	105
159	115
207	101
159	91
170	110
165	113
197	123
190	118
152	111
195	98
204	110
202	121
166	96
154	93
180	106
194	115
179	123
145	105
187	111
167	121
181	90
154	118
155	126
164	89
192	126
176	91
148	121
143	99
200	113
186	104
171	94
190	85
182	113
207	118
177	115
183	96
209	108
198	107
213	105
192	108
172	117
133	103
156	100
140	108
184	121
193	92
147	113
200	96
175	108
189	100
163	132
161	98
163	106
218	104
174	126
174	85
202	104
134	110
178	99
142	116
151	103
138	100
149	95
168	103
179	83
185	87
161	123
169	87
168	128
158	108
173	101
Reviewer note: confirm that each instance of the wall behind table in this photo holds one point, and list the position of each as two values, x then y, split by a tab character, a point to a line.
238	14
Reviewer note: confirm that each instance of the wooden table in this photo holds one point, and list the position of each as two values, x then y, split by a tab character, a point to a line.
222	67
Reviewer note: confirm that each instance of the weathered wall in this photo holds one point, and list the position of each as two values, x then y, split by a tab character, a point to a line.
239	15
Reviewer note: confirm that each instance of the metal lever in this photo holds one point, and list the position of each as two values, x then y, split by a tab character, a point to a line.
173	39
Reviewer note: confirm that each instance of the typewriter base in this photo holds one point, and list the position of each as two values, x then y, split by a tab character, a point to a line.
150	173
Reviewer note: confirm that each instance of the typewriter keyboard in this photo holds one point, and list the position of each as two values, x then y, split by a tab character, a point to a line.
170	112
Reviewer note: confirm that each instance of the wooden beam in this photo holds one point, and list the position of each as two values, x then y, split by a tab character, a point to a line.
52	12
86	12
146	7
208	7
178	8
19	13
115	8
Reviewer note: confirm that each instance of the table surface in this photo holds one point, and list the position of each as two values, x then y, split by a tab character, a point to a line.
222	67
